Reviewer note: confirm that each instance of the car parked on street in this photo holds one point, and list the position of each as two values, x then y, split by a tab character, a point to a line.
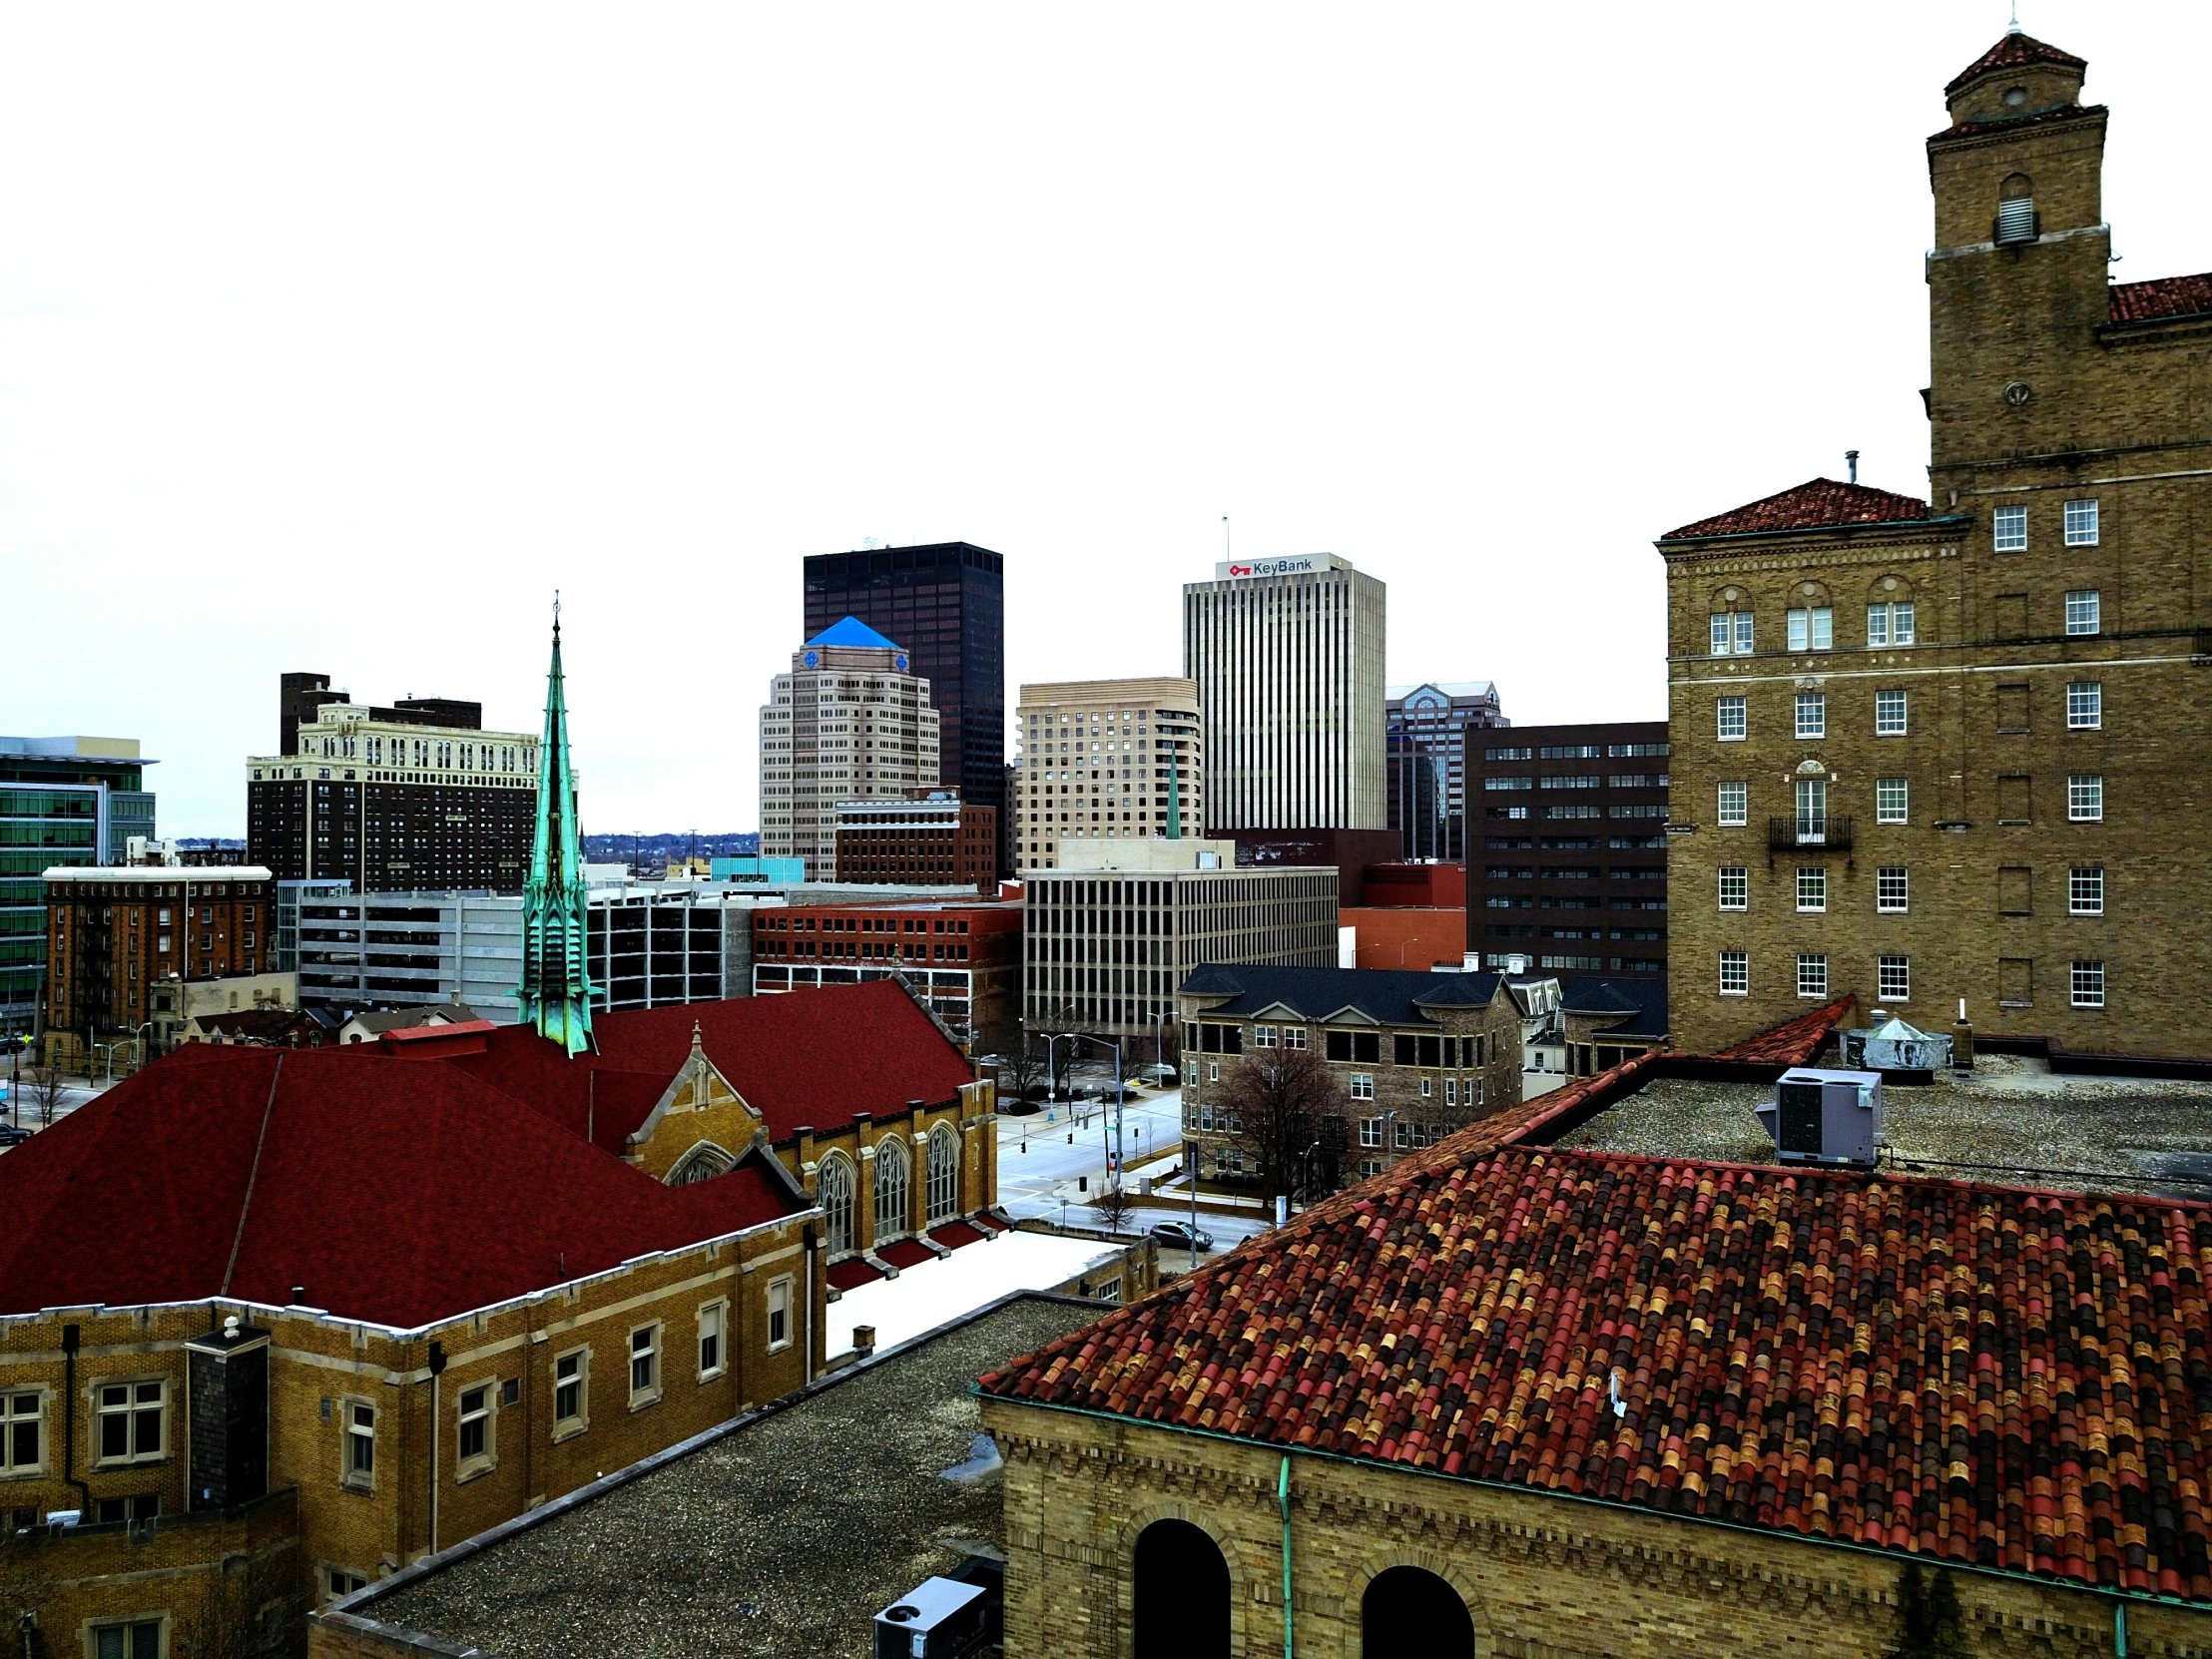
12	1134
1179	1235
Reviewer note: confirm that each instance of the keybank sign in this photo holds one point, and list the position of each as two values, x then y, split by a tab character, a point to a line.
1305	564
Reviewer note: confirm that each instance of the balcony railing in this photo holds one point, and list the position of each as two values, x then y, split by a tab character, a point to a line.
1787	834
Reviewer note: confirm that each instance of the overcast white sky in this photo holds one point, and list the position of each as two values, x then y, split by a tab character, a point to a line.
335	339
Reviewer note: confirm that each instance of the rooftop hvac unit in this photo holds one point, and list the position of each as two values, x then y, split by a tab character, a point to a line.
938	1618
1825	1117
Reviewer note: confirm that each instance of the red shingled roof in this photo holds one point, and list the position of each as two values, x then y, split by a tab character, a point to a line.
2162	297
1813	505
1795	1041
1981	1375
811	1057
392	1191
2014	50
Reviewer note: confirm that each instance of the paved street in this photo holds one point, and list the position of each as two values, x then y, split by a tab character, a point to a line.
23	1102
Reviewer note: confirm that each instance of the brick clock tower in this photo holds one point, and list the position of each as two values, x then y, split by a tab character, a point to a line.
1943	749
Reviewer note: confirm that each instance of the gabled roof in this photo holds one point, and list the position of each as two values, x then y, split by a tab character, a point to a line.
1641	1003
852	631
2162	297
814	1059
2015	51
1816	504
403	1019
1389	996
1970	1373
392	1192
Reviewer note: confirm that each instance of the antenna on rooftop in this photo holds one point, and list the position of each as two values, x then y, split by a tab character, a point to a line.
1225	535
1851	459
2014	28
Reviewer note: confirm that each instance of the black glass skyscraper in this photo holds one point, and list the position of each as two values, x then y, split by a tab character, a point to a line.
947	605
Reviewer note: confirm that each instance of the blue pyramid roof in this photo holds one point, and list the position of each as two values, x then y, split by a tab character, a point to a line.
852	631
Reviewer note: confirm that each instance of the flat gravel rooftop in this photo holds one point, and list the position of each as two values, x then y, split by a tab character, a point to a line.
782	1539
2012	1120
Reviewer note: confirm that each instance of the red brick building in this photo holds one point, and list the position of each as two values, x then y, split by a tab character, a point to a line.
964	958
930	838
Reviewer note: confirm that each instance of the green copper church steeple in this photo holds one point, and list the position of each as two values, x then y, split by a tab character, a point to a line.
556	990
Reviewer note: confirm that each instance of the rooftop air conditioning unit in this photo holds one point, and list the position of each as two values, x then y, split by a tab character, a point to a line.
1825	1117
938	1618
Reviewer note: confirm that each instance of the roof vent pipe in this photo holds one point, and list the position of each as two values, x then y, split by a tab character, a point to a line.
1851	459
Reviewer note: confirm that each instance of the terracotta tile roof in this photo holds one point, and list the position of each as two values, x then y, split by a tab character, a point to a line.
1793	1042
392	1191
2012	51
1813	505
2162	297
812	1057
2036	118
1983	1376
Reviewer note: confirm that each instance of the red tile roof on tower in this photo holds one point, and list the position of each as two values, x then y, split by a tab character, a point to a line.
1813	505
814	1059
391	1191
1975	1374
2160	298
2012	51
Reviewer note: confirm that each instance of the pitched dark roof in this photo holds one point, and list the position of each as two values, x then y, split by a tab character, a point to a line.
1813	505
403	1020
816	1058
1970	1373
1642	1002
2015	51
2162	297
393	1192
1389	996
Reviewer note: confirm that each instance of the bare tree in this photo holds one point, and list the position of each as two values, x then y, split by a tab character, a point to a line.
1275	1100
1113	1206
1020	1059
45	1091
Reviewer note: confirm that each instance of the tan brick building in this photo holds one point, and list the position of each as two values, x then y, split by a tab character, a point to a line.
1414	1057
1104	760
477	1274
1934	753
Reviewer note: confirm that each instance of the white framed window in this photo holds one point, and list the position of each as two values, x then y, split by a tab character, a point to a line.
2084	704
2085	890
571	1391
1894	978
1891	889
1812	628
714	1336
1190	1071
2088	984
22	1433
2008	529
1731	633
1213	1071
1370	1131
1732	726
1890	797
1735	973
2085	611
2082	523
134	1639
360	1442
340	1582
1263	1036
1735	886
1428	1088
130	1419
1811	714
473	1447
1812	888
1451	1092
2086	797
1293	1036
1370	1166
1812	974
779	1315
1889	623
1888	714
645	1365
1735	805
1362	1085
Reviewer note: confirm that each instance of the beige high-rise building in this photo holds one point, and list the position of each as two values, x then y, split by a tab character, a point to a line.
1104	760
849	721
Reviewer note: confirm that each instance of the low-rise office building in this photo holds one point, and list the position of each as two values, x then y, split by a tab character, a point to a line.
929	835
1413	1057
1108	942
1105	760
963	959
1567	860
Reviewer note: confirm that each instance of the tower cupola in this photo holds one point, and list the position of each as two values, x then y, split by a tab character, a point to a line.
2019	75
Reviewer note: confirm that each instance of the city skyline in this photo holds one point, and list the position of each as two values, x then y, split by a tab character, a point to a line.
186	405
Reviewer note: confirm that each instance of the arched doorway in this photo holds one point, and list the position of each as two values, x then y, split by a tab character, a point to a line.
1410	1613
1182	1599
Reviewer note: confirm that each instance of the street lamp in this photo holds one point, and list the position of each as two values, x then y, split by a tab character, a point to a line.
137	1043
1113	1150
108	1049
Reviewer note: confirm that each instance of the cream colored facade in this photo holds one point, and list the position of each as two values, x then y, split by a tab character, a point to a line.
848	723
1104	760
345	741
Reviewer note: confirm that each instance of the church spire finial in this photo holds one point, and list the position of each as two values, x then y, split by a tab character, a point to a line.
555	990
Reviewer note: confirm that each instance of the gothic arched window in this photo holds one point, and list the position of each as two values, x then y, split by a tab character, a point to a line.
702	1163
894	1174
834	1191
945	1173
